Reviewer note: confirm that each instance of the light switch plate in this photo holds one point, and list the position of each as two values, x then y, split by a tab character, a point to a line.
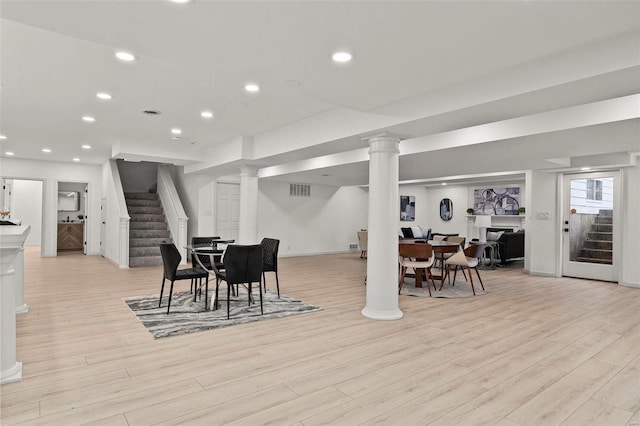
542	215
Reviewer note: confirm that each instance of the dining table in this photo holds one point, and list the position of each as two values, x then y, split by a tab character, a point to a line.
215	251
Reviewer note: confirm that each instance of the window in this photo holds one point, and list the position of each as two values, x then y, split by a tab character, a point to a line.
594	189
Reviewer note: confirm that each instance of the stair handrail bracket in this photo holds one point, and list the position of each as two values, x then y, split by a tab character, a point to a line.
173	209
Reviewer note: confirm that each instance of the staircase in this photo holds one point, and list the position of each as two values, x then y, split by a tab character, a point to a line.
598	247
147	228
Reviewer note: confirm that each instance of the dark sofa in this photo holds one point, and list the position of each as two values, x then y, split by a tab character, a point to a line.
510	244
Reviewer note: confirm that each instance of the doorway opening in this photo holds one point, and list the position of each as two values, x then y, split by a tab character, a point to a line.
72	205
21	202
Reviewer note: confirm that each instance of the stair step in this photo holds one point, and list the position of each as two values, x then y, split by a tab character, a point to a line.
148	225
601	236
602	227
140	196
149	233
147	217
145	261
143	203
604	220
144	251
145	210
596	253
595	244
147	242
594	260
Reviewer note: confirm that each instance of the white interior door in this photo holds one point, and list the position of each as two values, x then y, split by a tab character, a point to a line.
228	210
591	225
85	202
103	225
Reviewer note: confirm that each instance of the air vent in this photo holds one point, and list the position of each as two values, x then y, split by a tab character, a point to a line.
151	112
299	190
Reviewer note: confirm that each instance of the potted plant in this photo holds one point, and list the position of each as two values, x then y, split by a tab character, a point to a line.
470	211
81	217
521	210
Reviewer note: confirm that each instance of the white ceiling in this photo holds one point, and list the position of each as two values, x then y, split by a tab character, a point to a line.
419	69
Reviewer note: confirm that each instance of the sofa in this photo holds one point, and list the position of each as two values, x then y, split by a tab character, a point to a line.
510	244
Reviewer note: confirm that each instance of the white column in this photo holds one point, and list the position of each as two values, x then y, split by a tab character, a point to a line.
18	277
11	242
384	211
248	233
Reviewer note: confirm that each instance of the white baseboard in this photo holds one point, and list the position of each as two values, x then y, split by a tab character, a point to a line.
634	285
543	274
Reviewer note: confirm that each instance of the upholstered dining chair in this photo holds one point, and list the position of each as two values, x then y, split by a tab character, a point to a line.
242	265
454	239
420	257
363	237
467	259
270	260
171	259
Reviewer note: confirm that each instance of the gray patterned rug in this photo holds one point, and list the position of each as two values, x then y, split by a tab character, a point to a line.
187	316
461	289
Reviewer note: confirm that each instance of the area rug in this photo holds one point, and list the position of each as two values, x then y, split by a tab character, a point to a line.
187	316
461	289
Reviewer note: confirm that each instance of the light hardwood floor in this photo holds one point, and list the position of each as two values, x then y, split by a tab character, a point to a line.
535	350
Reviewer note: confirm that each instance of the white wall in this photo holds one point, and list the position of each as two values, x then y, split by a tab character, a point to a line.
422	206
630	268
326	222
544	234
51	173
137	176
26	206
459	195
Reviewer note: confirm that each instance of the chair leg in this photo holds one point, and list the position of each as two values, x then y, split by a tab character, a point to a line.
471	280
401	283
228	299
261	307
215	301
455	272
478	274
206	291
170	293
277	284
161	291
250	293
264	282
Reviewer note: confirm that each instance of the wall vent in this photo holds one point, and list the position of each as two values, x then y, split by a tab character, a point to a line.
299	190
353	247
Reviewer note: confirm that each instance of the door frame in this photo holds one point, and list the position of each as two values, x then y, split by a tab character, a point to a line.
590	270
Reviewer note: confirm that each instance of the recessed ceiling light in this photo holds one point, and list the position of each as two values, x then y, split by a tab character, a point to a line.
341	57
47	150
9	153
88	119
86	146
585	168
443	183
103	96
125	56
251	87
180	1
2	137
176	131
76	159
206	114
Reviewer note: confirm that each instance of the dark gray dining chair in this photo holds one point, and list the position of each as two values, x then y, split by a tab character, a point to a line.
242	265
171	259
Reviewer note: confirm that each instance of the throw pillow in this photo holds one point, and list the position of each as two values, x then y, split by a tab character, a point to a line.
417	233
407	232
494	236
